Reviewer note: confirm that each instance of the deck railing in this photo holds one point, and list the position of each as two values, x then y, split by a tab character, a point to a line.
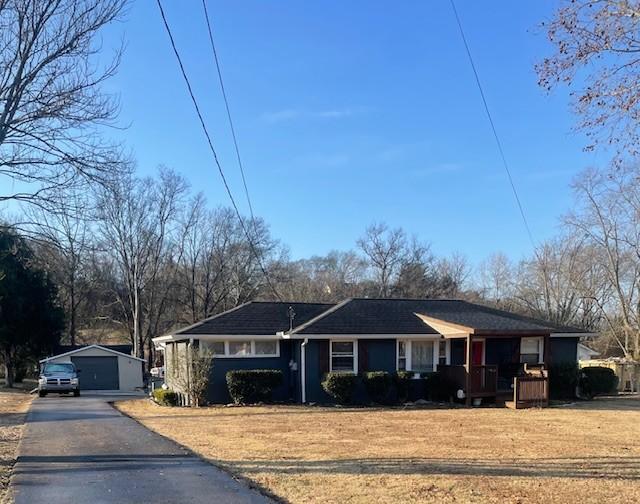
530	391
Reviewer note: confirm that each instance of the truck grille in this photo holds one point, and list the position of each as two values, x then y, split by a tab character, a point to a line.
58	381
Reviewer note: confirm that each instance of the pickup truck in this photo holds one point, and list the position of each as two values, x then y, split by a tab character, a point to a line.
58	377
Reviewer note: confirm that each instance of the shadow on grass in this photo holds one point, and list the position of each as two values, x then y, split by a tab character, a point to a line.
623	468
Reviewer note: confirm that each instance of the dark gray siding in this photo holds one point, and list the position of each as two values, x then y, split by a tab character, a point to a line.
564	350
218	392
380	355
317	364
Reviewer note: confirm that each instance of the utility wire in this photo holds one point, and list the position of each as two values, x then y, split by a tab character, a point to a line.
213	151
493	127
226	104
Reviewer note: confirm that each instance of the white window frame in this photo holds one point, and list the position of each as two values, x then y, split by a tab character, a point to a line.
355	355
436	352
252	355
540	340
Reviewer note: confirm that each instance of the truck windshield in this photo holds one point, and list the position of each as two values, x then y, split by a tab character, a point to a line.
59	368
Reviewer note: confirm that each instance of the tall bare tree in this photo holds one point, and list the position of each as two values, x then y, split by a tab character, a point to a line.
597	55
51	98
385	249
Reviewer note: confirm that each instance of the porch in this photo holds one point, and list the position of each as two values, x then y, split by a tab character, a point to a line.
502	368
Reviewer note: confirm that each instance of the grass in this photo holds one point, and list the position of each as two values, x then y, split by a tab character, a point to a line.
588	452
14	404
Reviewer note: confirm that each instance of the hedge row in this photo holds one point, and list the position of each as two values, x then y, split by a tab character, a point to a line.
248	386
387	388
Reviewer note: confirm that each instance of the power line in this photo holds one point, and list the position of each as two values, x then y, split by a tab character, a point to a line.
213	151
226	104
493	127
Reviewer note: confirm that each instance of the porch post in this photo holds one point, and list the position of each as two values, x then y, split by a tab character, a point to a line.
467	368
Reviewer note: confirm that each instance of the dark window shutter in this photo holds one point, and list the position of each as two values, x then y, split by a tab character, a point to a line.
363	356
323	356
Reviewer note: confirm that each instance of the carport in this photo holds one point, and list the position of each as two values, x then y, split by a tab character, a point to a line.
103	368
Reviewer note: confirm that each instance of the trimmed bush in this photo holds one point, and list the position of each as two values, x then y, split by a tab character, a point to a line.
440	387
165	397
378	385
401	379
563	380
597	380
247	386
340	386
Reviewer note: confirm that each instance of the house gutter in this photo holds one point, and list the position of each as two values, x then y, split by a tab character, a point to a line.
303	370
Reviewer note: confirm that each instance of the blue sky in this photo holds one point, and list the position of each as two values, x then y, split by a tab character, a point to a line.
353	112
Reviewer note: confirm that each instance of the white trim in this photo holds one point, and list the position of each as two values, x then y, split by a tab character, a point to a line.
303	371
355	355
252	343
345	337
574	335
82	349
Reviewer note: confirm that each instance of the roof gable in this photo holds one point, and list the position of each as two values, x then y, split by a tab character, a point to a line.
81	349
256	318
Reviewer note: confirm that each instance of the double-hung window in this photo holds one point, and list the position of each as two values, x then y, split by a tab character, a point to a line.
343	356
531	350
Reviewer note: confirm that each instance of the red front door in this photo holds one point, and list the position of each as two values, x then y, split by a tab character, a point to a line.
477	348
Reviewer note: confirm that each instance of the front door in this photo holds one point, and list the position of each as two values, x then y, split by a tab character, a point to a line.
477	351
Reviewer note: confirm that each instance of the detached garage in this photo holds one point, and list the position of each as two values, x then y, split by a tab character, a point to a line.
103	368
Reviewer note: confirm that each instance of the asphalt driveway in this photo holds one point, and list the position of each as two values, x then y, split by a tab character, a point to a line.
77	450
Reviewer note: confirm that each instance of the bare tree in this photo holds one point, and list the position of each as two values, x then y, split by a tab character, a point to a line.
597	54
608	206
496	279
63	243
51	101
136	220
385	249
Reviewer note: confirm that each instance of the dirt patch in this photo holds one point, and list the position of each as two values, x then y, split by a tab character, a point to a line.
588	452
14	405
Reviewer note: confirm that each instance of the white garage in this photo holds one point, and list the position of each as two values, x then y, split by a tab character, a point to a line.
102	368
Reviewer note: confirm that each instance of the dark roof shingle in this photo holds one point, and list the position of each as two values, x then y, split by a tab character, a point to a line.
256	317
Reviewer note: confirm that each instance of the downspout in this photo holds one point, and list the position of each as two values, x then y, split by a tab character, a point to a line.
189	349
303	370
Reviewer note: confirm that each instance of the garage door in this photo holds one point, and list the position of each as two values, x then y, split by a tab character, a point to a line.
97	373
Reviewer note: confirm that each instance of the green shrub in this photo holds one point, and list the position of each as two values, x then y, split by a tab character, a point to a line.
401	380
596	380
165	397
440	388
378	385
563	380
248	386
340	386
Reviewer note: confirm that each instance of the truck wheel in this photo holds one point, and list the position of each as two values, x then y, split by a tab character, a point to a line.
42	393
76	393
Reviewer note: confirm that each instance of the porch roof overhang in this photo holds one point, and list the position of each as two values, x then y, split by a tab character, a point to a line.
452	330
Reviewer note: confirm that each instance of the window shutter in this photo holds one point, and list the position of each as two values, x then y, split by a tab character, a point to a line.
323	356
363	356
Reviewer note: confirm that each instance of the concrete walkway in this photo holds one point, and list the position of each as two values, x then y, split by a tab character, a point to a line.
77	450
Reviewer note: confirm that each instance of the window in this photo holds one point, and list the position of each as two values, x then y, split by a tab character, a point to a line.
241	348
442	353
267	347
213	347
343	356
422	356
531	350
402	355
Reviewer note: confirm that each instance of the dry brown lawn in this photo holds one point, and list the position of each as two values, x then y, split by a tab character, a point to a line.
588	452
13	409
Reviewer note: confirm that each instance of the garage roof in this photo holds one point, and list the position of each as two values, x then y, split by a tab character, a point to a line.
82	349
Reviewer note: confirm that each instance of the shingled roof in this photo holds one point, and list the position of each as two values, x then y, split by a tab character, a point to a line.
256	318
400	316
